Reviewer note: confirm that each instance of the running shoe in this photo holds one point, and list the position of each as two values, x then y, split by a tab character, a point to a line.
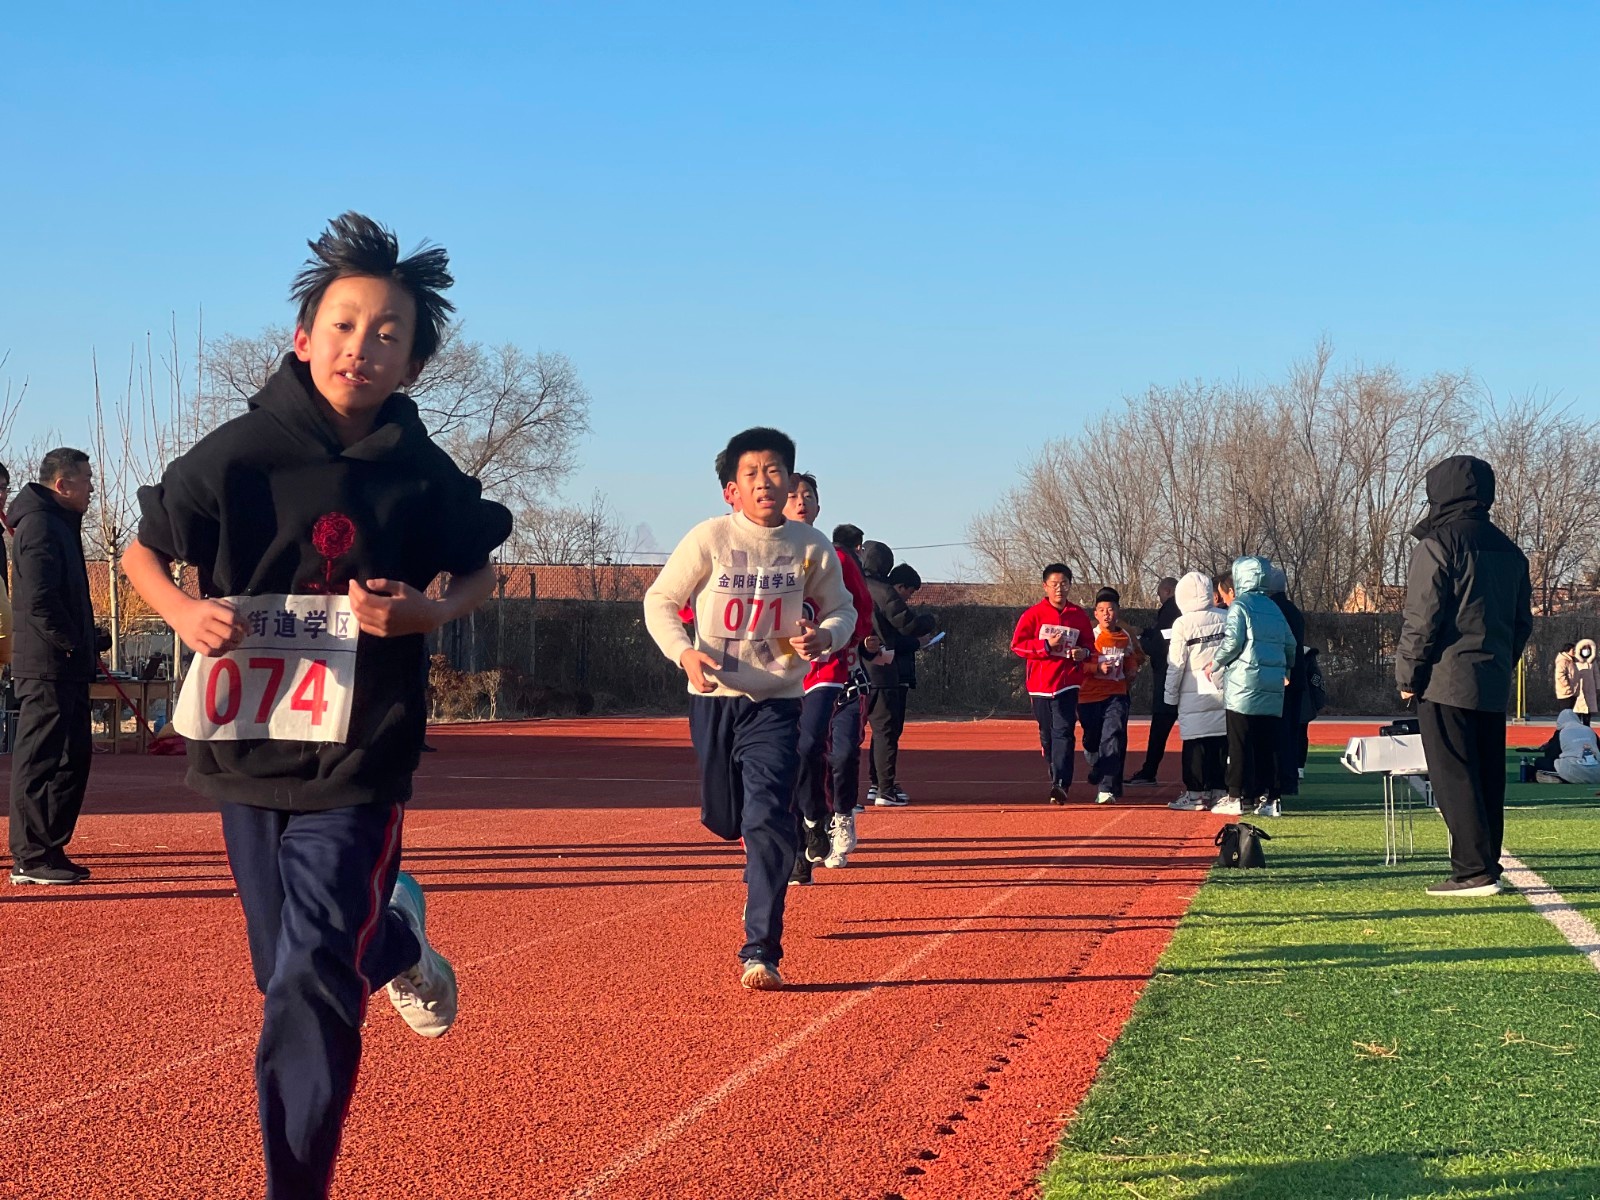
1189	802
872	793
1466	889
801	875
816	840
894	799
1269	808
842	839
1105	798
1228	806
1058	794
1142	781
44	874
758	975
424	996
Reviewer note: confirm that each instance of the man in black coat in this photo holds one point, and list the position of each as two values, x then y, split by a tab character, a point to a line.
902	630
1294	696
1154	641
55	660
1468	616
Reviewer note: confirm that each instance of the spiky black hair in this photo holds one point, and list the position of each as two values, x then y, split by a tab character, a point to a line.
753	441
357	245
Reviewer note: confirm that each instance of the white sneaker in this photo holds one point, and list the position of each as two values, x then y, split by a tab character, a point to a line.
842	840
1269	808
426	995
1104	798
1189	802
1228	806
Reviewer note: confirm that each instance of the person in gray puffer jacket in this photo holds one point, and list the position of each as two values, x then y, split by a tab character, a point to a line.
1468	617
1256	652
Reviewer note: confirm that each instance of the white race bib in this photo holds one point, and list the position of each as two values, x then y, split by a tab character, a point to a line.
291	679
1069	638
1112	663
756	604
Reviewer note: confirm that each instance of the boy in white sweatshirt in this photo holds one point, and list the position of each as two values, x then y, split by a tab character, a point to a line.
750	577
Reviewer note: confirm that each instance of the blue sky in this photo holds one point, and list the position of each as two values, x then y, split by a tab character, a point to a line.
921	237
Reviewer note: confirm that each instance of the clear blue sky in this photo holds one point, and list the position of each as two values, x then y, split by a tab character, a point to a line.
920	237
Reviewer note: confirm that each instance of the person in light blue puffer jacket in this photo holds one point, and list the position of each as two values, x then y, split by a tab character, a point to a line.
1256	652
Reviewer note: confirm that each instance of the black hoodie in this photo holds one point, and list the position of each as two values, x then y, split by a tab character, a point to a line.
52	613
893	620
1468	611
241	507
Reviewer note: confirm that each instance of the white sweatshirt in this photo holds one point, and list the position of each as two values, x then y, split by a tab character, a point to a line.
749	585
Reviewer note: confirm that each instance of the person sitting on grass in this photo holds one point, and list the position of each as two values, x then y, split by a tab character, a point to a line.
749	576
1572	755
330	486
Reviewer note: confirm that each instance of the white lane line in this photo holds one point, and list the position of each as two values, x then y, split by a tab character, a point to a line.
1553	907
669	1132
128	1081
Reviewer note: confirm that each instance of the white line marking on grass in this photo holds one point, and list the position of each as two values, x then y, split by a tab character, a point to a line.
117	1085
669	1132
1553	907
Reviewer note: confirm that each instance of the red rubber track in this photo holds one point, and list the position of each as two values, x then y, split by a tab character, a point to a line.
953	989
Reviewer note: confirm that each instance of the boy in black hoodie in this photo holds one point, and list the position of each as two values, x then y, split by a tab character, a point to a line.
324	510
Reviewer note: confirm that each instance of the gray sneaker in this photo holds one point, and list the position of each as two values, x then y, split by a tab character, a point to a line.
425	996
758	975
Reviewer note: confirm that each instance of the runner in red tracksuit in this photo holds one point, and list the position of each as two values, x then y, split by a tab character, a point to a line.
830	724
1055	637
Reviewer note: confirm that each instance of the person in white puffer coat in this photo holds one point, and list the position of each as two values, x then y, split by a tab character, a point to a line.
1202	722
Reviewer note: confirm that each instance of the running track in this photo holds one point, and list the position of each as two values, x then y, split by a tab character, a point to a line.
952	990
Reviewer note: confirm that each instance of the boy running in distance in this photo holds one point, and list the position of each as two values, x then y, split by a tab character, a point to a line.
329	488
825	840
1054	637
749	576
1103	700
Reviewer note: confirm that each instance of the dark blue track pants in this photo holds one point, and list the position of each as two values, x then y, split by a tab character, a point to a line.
830	754
1105	732
749	757
1057	716
315	889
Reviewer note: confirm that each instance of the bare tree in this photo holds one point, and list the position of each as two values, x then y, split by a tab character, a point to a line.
10	405
591	537
509	418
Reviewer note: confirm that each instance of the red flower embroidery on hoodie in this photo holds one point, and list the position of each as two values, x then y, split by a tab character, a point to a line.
334	535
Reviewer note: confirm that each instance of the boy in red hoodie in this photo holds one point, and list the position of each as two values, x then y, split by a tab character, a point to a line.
1054	637
1103	699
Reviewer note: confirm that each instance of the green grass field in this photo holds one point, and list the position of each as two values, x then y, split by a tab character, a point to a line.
1325	1029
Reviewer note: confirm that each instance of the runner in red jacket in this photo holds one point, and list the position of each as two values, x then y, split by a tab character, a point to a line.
830	724
1055	637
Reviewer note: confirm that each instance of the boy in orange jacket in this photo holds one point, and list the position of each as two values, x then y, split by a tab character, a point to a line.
1103	698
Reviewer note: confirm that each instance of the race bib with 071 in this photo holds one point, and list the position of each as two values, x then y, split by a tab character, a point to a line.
754	604
291	678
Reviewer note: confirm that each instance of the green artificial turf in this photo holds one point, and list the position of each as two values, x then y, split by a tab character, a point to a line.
1325	1029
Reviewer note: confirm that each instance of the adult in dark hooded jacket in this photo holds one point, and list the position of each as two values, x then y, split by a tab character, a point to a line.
1468	616
54	663
901	629
1155	642
1290	729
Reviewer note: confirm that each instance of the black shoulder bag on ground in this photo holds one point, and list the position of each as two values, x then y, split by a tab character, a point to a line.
1239	845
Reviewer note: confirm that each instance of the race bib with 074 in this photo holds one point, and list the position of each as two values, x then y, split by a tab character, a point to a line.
291	678
756	603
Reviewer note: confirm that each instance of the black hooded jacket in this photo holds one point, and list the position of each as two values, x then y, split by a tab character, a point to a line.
893	620
241	507
53	615
1468	611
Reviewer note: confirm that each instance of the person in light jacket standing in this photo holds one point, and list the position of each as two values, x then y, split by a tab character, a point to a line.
1255	656
1566	677
1468	616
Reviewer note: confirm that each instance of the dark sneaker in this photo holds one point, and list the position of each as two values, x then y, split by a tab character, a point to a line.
78	869
817	842
1058	794
801	874
891	799
1141	781
758	975
44	874
1466	889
